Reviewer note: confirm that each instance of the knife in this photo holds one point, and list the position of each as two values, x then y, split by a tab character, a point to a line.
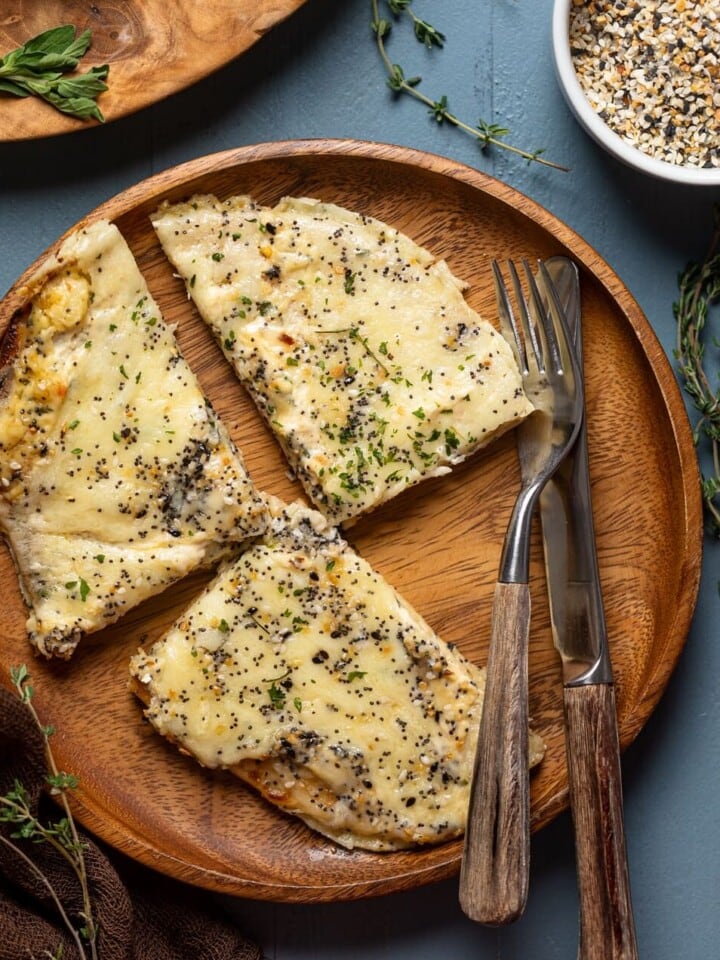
607	930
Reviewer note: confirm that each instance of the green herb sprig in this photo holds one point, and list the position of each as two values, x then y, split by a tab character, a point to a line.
62	834
487	134
699	286
38	68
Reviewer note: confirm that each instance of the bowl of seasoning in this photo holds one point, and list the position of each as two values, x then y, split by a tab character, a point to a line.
643	79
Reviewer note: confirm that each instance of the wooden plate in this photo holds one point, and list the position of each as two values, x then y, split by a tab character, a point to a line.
439	544
154	48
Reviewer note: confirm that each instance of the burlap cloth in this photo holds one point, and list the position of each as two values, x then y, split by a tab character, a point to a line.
140	914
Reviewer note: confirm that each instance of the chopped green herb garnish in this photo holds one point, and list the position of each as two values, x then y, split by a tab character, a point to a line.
452	441
82	585
277	696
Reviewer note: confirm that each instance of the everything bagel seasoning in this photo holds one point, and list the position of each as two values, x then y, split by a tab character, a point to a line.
651	70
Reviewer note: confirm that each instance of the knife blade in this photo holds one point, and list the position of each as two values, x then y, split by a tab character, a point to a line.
607	929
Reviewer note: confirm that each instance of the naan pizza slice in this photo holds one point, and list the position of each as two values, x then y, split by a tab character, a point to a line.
304	673
116	476
356	344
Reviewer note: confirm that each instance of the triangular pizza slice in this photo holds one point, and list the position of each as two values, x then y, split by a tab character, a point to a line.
356	344
302	671
116	476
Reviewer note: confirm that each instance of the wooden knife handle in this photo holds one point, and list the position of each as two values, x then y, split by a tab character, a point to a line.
607	929
496	858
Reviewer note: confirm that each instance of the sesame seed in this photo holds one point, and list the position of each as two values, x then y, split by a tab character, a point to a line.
649	69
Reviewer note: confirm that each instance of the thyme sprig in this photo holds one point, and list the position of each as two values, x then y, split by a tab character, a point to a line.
487	134
699	286
61	835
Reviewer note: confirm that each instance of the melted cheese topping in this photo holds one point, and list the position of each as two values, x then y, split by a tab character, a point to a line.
356	344
116	476
305	673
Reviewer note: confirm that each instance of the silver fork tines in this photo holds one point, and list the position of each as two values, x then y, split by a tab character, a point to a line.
495	865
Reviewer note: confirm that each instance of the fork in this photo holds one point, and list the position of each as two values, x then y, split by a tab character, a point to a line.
496	855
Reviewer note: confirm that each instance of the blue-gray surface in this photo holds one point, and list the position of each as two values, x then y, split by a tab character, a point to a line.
318	75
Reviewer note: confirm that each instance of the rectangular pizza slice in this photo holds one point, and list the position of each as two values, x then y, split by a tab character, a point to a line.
116	476
302	671
356	344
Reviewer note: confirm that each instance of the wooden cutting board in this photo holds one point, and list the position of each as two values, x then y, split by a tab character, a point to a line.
154	48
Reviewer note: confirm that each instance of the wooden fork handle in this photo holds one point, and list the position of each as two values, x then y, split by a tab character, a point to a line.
607	930
496	858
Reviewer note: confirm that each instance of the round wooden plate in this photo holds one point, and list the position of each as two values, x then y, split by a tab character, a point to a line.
439	543
154	48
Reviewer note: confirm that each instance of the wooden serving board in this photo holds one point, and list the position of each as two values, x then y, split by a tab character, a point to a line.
439	543
154	48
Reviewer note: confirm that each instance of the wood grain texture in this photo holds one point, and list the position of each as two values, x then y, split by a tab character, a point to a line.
495	868
607	928
439	544
154	48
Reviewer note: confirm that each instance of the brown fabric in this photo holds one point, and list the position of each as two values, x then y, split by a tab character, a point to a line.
140	915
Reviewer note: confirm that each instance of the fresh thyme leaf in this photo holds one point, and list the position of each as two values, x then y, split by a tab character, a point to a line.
397	81
699	286
381	28
62	781
426	33
18	675
488	135
61	835
37	69
489	132
439	109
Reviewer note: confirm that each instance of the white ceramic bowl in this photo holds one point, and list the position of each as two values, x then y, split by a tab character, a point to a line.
598	129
